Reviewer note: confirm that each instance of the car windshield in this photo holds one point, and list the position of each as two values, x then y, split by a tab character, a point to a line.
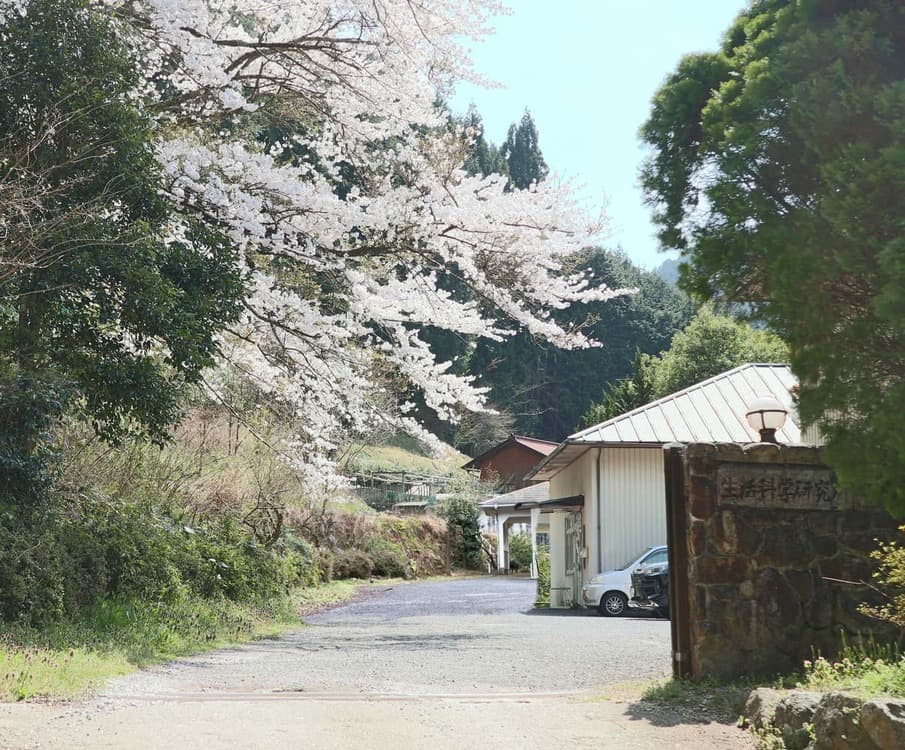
656	558
633	560
646	558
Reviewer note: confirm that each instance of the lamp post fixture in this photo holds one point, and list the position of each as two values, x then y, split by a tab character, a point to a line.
766	415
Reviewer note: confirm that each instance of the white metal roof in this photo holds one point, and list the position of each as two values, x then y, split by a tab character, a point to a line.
712	411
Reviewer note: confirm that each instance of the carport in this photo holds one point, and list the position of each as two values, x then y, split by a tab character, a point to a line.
502	512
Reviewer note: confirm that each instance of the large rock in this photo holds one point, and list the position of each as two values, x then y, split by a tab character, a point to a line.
796	709
837	724
793	717
761	706
884	722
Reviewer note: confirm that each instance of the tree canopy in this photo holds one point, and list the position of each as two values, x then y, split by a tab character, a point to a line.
521	153
547	390
777	167
708	345
102	306
291	205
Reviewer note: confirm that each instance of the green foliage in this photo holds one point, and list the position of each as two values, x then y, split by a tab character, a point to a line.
548	390
461	515
64	560
28	408
105	313
778	168
520	552
538	389
521	152
352	563
388	559
483	157
307	562
624	395
890	578
866	671
709	345
542	598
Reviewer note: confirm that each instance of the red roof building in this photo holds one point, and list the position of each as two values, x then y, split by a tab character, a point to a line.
505	465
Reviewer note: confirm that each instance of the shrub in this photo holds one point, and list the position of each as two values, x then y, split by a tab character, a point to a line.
352	563
890	577
543	577
520	552
325	560
32	576
388	559
461	514
305	560
80	551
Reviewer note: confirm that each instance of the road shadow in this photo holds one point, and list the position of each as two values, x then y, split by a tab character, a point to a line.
662	716
691	704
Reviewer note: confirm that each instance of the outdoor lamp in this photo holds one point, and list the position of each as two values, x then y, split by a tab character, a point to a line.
766	415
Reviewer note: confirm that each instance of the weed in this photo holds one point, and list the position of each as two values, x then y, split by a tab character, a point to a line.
861	673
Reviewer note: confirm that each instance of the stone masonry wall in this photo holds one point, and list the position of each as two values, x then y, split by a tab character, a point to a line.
772	546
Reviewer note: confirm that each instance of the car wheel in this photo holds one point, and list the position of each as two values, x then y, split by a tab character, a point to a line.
613	604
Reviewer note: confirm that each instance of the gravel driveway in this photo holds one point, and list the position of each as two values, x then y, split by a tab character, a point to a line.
450	664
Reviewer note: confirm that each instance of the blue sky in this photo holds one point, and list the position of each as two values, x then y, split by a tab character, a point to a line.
587	69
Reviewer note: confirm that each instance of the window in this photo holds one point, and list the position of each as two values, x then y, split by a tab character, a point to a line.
656	558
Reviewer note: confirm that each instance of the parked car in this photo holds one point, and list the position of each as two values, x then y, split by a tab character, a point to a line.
610	591
650	588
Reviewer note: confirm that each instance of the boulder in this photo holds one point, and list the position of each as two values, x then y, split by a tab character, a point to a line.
837	724
884	722
796	709
793	717
761	705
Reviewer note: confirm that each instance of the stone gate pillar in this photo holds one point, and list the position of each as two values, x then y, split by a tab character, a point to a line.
777	558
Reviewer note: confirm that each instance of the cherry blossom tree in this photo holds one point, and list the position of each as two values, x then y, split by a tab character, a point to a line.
308	132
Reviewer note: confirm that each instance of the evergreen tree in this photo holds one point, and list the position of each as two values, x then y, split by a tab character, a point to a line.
521	152
548	390
484	157
623	395
709	345
777	168
106	314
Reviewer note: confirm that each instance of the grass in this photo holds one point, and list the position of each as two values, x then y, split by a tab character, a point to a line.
69	659
866	674
368	458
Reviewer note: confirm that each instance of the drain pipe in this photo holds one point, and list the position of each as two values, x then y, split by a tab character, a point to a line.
599	510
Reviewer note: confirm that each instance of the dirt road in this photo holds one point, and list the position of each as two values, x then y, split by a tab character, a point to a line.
455	664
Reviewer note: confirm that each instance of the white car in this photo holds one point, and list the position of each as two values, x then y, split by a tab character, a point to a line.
610	591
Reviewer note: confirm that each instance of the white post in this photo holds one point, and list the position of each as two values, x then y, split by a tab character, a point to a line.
535	517
501	545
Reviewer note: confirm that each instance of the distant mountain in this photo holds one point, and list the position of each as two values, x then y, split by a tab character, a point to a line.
668	270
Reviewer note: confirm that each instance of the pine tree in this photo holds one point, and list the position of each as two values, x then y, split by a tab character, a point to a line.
484	157
521	152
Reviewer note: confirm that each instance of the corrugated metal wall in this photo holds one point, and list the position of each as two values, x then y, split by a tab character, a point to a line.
634	503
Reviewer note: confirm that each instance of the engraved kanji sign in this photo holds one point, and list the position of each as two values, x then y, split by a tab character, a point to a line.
765	486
